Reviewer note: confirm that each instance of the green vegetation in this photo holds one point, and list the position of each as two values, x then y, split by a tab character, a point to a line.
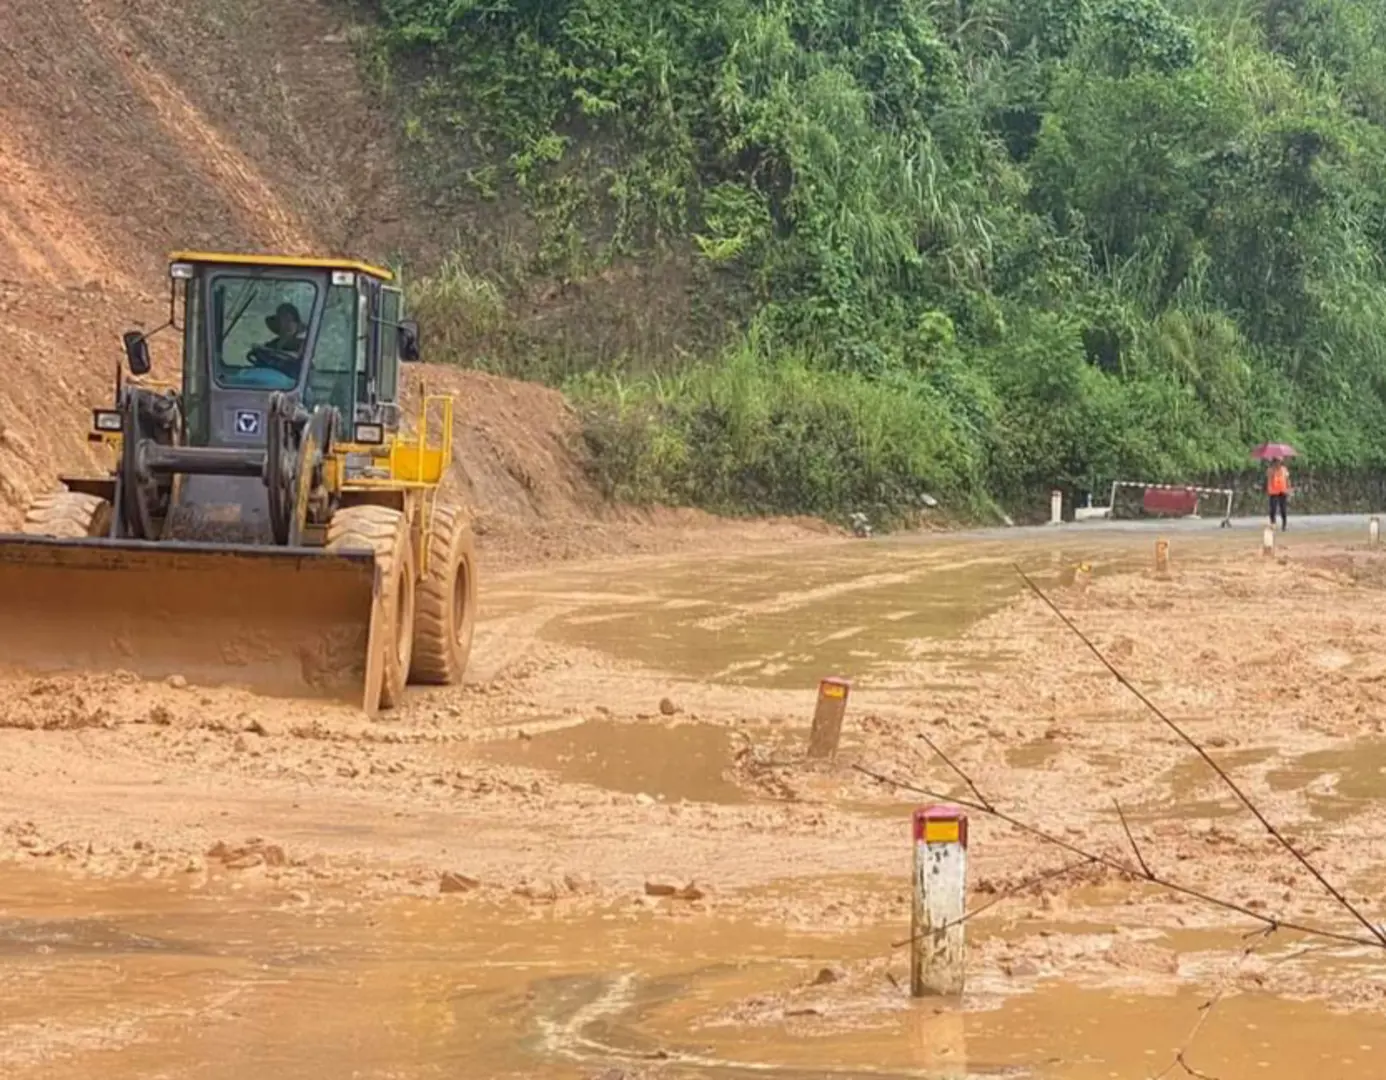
970	247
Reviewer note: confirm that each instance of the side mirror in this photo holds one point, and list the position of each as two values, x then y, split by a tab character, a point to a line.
136	352
408	331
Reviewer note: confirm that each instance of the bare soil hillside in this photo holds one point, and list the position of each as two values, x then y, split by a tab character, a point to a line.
129	128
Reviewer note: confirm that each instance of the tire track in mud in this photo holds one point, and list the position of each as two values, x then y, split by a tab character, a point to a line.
597	1022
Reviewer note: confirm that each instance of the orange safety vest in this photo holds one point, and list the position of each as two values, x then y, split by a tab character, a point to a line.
1278	483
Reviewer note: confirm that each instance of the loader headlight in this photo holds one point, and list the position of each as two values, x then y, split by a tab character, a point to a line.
105	420
180	271
370	433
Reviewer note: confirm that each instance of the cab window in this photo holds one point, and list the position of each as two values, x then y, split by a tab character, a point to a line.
260	330
388	329
332	377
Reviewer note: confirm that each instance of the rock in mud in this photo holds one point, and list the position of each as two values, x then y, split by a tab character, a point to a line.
457	883
665	887
826	976
250	854
667	707
178	682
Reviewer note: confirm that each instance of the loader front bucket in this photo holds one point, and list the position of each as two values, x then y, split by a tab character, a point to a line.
294	622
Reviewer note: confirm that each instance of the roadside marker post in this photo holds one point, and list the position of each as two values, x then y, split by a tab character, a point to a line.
827	717
1374	530
1056	508
938	943
1268	540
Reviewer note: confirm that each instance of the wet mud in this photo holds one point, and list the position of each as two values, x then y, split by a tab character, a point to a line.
607	854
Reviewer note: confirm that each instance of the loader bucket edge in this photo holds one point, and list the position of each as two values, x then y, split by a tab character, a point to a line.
295	622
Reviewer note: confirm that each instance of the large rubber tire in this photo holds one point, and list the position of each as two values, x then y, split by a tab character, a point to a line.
69	515
385	532
446	616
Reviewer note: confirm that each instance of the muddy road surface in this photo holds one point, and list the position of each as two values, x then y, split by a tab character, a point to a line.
606	855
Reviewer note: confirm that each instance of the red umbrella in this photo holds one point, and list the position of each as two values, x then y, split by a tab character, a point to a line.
1269	451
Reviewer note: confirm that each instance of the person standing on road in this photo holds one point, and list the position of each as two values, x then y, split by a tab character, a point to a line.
1278	488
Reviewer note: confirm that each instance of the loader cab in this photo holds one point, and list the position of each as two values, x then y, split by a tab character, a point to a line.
332	331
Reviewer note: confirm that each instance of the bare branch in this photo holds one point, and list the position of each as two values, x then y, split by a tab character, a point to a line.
1122	867
1135	848
1020	887
955	767
1205	1010
1376	931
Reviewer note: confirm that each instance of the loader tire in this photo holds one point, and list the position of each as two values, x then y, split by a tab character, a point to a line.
385	532
446	613
68	515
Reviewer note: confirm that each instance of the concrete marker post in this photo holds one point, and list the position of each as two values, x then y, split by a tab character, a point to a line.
827	717
1056	508
1268	540
1374	530
938	943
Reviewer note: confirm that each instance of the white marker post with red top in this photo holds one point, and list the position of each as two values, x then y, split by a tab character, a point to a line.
938	956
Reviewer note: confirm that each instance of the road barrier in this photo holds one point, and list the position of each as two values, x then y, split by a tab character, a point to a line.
1180	499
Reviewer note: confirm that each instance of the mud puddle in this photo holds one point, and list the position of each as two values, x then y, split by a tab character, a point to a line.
1194	791
851	609
669	762
140	980
1336	783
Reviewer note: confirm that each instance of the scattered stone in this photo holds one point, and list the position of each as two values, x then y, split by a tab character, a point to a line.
252	853
667	707
178	682
645	800
160	715
660	888
456	883
274	855
690	892
804	1010
1020	969
826	976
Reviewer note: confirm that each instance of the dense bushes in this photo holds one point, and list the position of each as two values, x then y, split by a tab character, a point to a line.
977	249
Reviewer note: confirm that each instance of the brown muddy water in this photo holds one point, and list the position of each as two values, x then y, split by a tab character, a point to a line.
847	608
126	981
150	979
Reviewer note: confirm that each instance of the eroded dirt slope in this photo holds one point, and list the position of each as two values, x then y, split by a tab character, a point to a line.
129	128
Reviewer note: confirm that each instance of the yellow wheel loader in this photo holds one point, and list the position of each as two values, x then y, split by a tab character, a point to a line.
266	524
